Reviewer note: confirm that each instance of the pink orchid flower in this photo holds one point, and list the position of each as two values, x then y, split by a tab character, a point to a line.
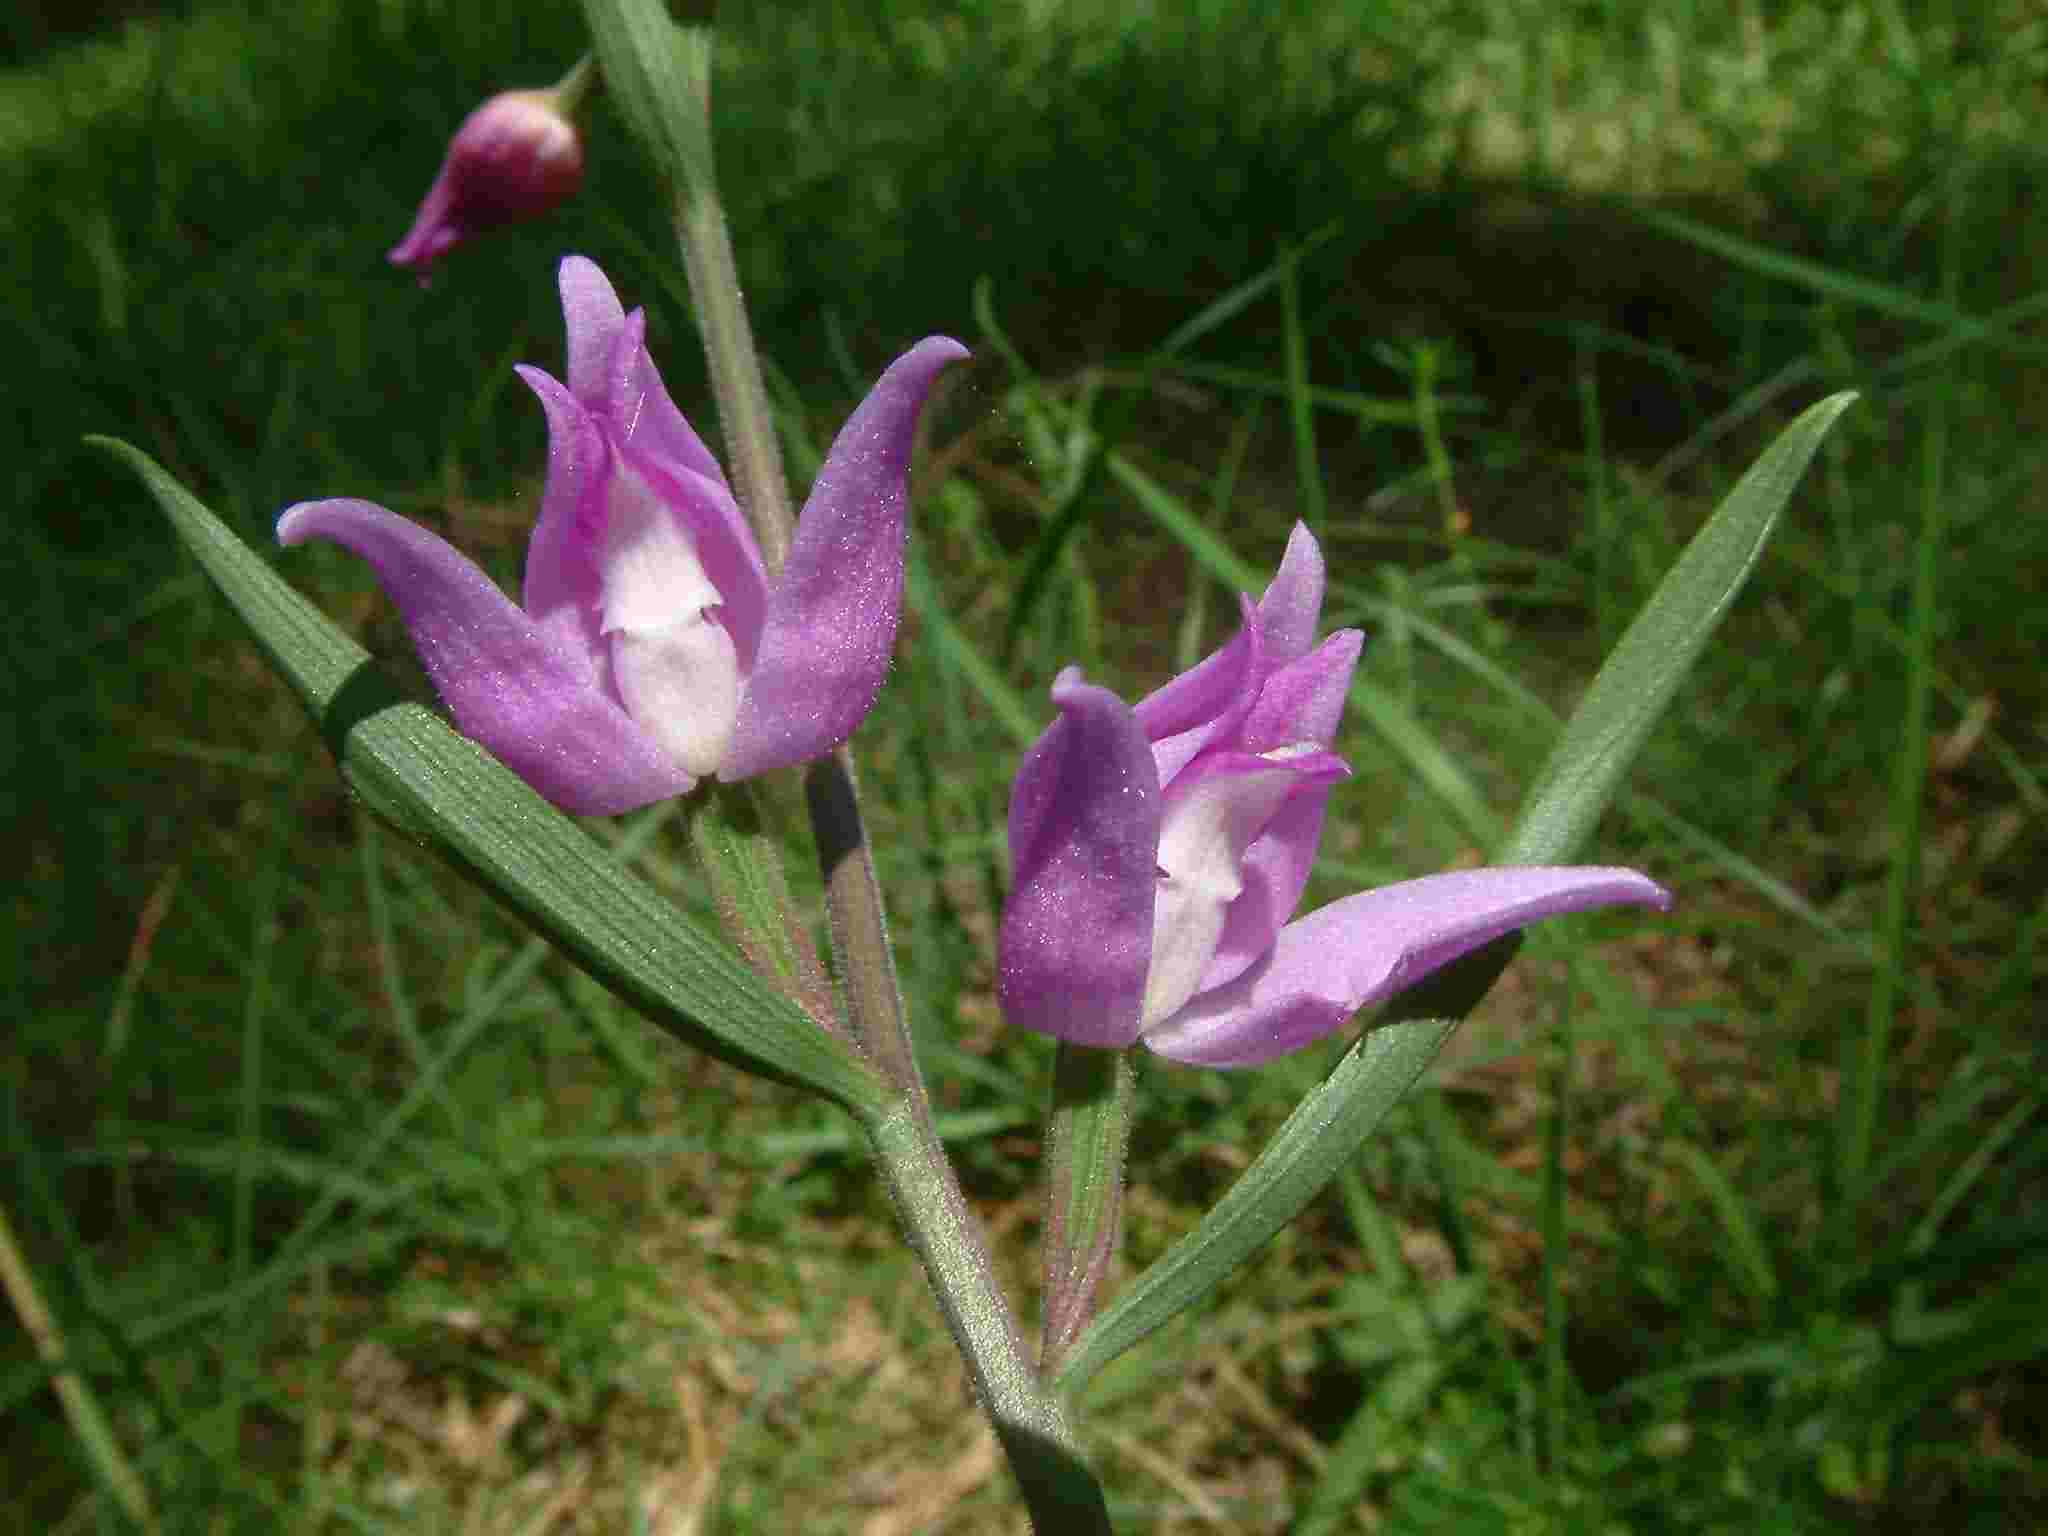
516	157
653	649
1159	850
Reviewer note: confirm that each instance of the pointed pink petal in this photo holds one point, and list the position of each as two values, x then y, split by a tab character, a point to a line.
832	614
1206	702
1304	700
646	426
509	685
646	419
594	316
1076	936
563	583
1333	962
1283	622
433	230
1293	602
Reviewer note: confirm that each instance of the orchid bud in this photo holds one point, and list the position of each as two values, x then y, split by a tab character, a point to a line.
514	158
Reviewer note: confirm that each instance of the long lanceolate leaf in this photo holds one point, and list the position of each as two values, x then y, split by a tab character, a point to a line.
1657	651
1582	775
417	773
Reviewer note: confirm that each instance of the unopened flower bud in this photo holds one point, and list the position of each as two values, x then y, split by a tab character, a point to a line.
516	157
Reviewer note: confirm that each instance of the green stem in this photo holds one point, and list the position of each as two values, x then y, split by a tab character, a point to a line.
853	896
576	87
752	452
1059	1490
662	75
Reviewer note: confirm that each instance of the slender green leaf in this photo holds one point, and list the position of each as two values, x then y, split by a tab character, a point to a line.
445	791
1984	1149
1556	1372
1179	520
89	1423
1645	668
1393	1400
1866	1053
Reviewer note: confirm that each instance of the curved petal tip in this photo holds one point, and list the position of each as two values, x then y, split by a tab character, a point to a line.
832	615
1324	967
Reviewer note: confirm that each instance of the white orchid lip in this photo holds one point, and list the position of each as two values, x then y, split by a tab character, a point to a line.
1203	835
673	662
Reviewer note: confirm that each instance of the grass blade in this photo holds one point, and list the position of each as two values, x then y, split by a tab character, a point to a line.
1300	408
81	1408
1829	283
1747	1255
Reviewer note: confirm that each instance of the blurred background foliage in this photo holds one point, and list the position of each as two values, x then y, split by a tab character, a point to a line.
358	1212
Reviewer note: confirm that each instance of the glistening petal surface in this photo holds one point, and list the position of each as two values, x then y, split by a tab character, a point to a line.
510	686
1301	702
1076	936
1361	949
1282	626
644	415
562	585
832	612
591	308
1206	702
1292	604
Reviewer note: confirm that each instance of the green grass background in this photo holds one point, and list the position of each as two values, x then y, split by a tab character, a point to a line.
359	1212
